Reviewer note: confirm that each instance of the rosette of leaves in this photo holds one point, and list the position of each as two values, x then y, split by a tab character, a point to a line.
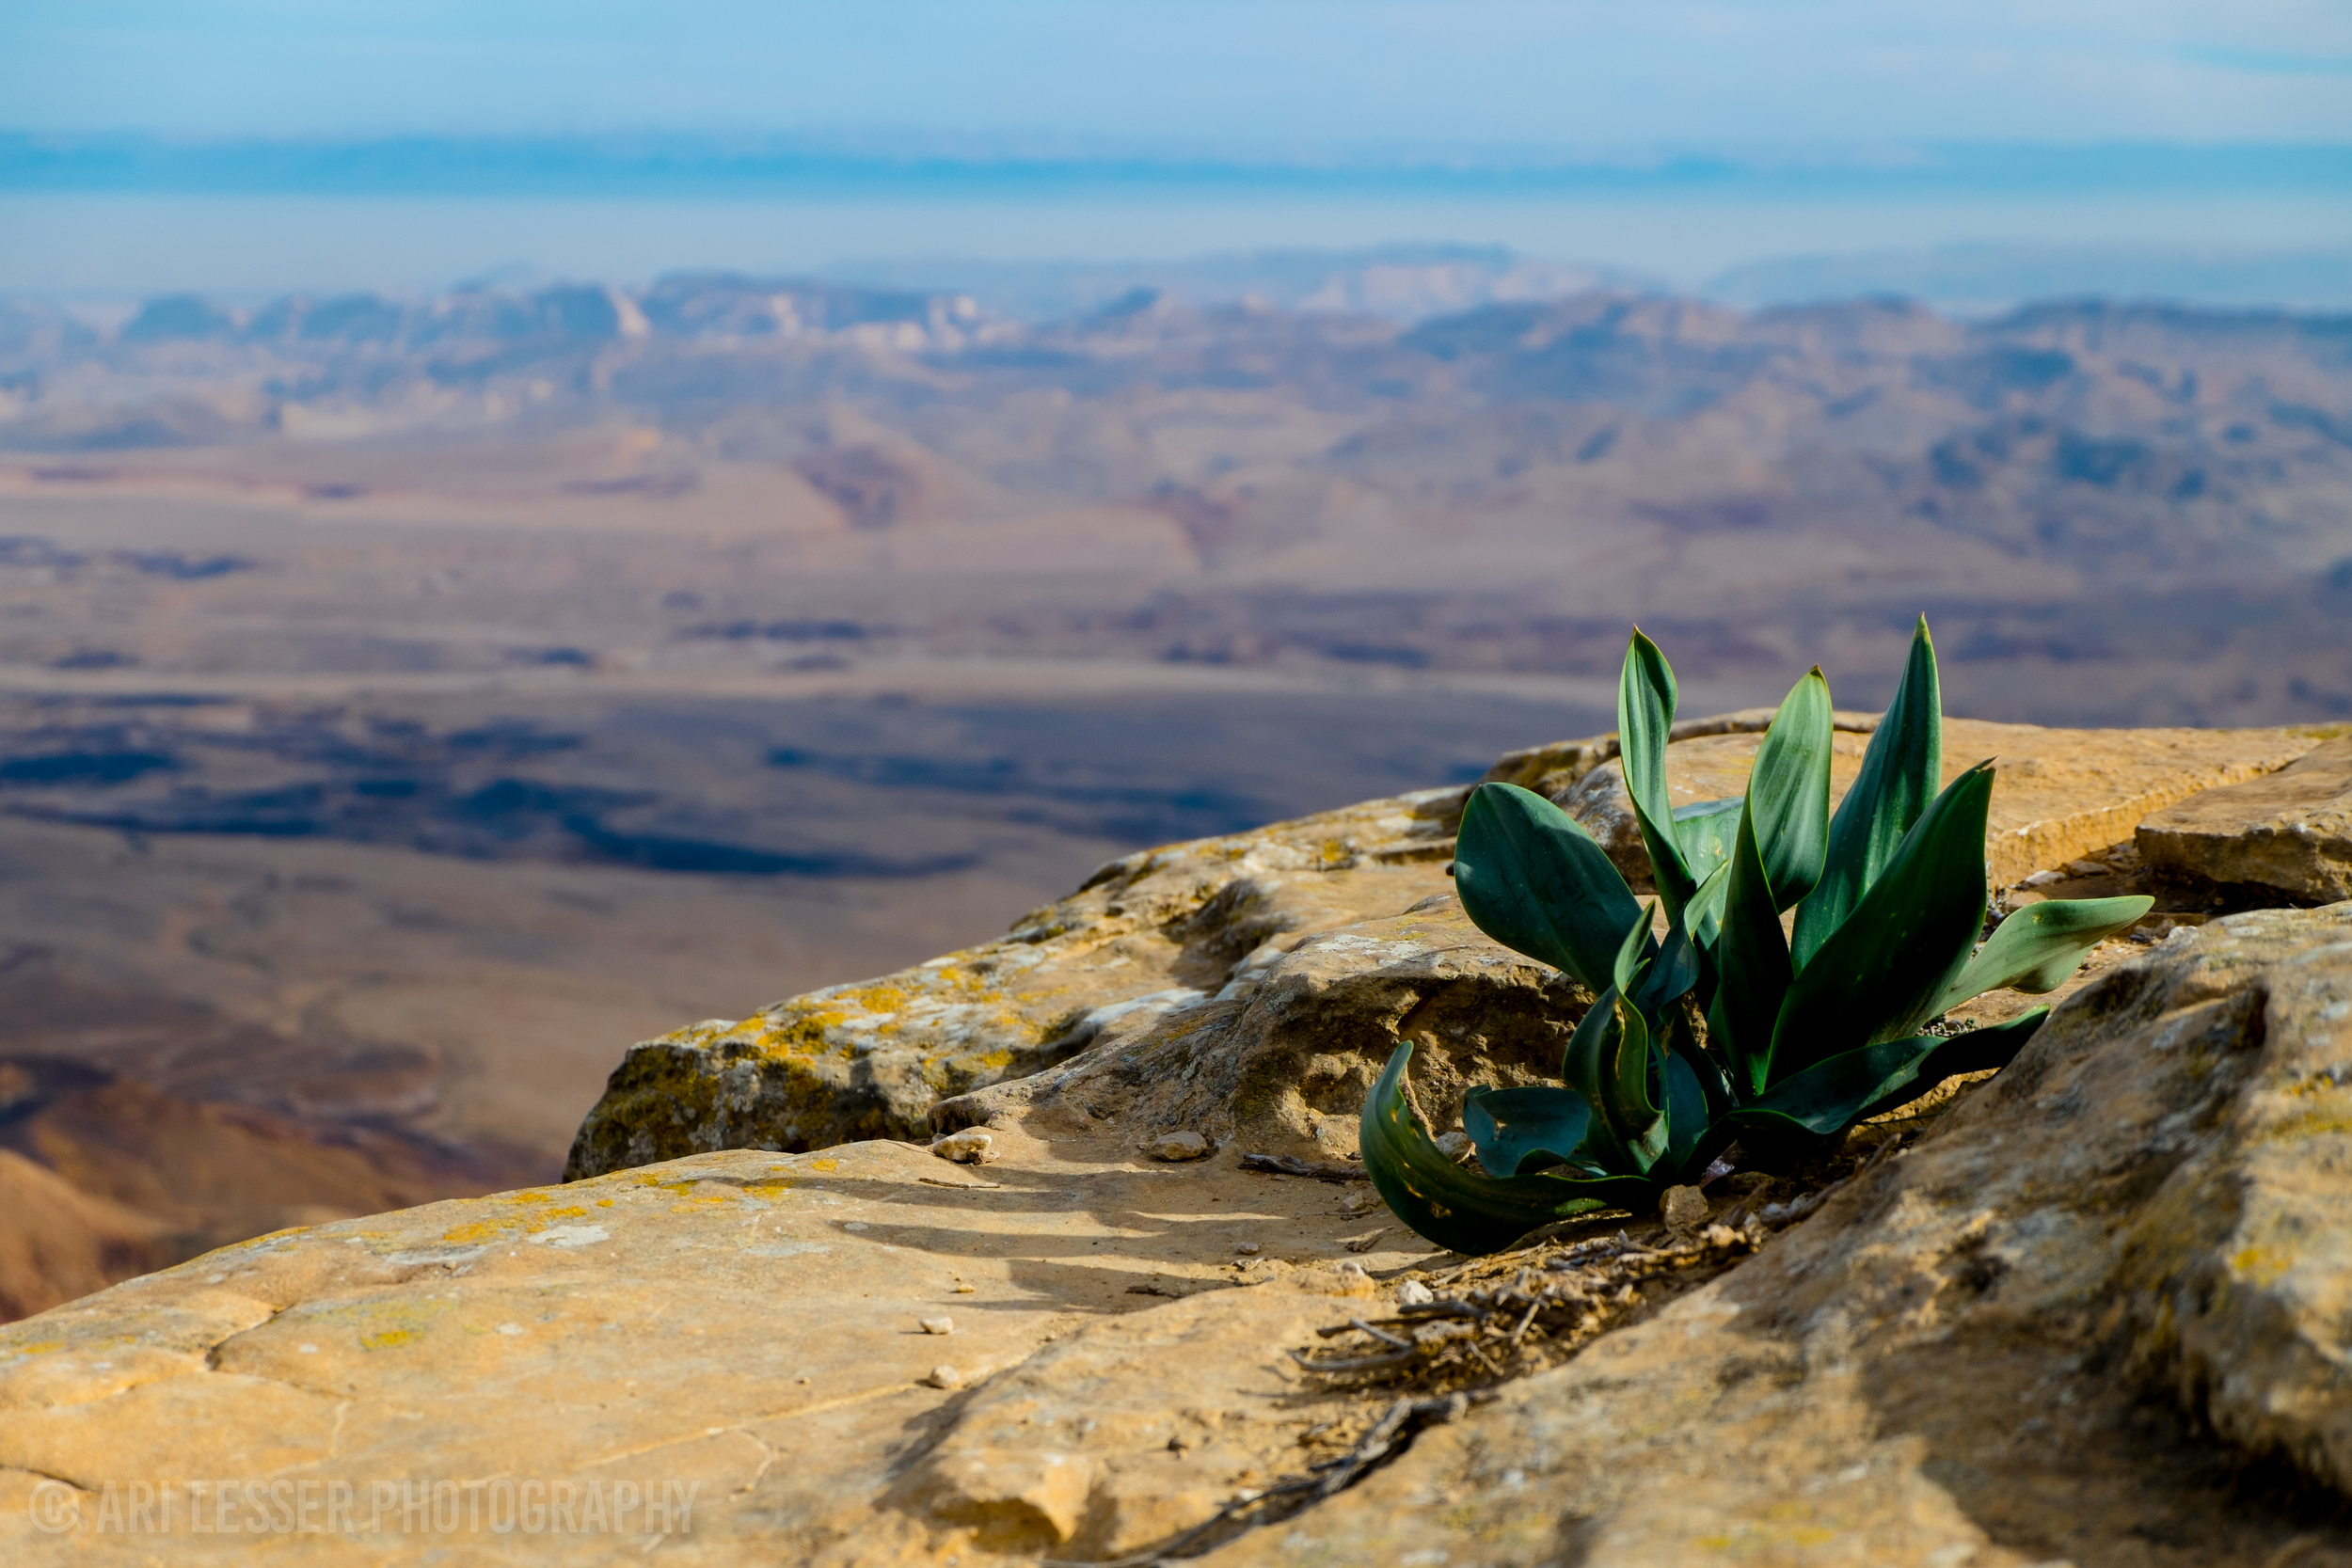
1728	1027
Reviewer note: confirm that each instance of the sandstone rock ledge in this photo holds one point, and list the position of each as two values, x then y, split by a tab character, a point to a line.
1252	985
1148	936
2014	1342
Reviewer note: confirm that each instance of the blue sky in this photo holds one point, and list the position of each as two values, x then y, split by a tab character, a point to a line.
1267	75
1878	93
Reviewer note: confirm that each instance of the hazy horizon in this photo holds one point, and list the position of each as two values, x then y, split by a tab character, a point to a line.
249	146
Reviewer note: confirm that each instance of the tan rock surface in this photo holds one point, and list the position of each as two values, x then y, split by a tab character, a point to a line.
2056	794
1942	1365
1155	962
1284	1065
2291	831
1550	768
1945	1364
747	1323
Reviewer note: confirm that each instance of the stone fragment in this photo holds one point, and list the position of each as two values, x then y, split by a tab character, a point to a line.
2291	831
1177	1146
1414	1293
939	1325
944	1376
1683	1208
970	1147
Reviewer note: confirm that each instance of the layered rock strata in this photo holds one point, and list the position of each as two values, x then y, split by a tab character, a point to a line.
2291	831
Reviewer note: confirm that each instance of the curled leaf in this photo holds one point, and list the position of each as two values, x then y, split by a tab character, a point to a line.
2037	947
1519	1131
1462	1210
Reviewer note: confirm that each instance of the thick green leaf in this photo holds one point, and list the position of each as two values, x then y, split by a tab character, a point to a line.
1830	1096
1529	876
1645	716
1687	1114
1671	974
1626	1099
1788	791
1586	1066
1631	964
1639	1118
1751	967
1900	773
2037	947
1975	1051
1521	1131
1878	974
1706	1071
1462	1210
1704	915
1607	1063
1706	831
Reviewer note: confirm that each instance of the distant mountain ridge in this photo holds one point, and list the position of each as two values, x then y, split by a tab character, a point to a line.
1482	490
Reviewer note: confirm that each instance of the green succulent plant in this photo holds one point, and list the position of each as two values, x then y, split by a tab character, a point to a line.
1729	1027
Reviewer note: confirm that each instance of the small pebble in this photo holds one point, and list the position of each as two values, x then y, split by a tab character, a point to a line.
1350	1270
1456	1144
939	1325
1178	1146
1414	1293
945	1376
970	1147
1247	1250
1359	1199
1683	1208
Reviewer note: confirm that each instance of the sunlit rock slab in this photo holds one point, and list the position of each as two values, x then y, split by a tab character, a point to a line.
1178	961
2290	831
1156	933
1950	1362
1284	1067
746	1323
2056	794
